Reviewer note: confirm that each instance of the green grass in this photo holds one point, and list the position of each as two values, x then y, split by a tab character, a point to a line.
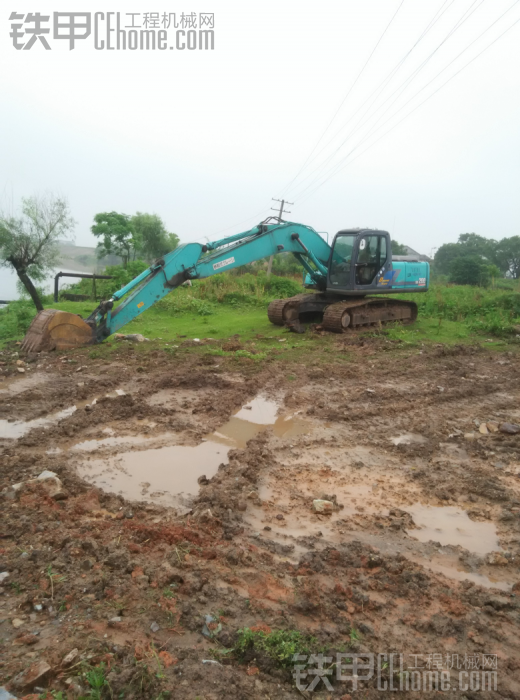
226	305
97	681
279	645
225	322
486	311
14	320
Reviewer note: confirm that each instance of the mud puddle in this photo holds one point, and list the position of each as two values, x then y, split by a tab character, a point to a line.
17	385
368	505
12	430
255	417
409	439
165	475
302	533
93	445
453	569
169	474
451	525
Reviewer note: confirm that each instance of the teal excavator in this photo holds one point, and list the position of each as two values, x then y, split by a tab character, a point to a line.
346	280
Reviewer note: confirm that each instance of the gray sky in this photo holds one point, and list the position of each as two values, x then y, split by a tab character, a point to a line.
206	138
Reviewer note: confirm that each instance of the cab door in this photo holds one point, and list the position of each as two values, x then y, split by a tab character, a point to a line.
340	265
373	260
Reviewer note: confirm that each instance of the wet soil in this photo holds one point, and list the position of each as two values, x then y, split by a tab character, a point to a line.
188	489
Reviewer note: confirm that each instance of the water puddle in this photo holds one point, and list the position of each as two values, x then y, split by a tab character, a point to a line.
17	385
93	445
260	410
409	439
353	498
254	418
454	571
165	475
12	430
169	474
451	525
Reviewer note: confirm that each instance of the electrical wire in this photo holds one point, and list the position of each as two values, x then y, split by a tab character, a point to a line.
372	131
377	91
425	100
402	87
239	223
346	96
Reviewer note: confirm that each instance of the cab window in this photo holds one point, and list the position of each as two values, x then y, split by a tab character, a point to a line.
371	257
342	260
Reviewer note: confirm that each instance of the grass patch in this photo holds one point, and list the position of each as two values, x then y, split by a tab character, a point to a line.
96	678
228	305
485	311
15	320
279	645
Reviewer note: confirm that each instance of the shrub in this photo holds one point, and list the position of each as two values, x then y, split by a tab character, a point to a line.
282	286
15	319
470	269
492	311
106	288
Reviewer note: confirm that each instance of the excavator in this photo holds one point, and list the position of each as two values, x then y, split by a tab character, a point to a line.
345	279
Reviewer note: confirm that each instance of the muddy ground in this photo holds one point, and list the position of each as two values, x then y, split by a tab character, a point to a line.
185	489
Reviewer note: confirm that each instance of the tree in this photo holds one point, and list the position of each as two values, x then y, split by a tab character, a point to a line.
508	255
470	269
474	244
445	255
28	242
118	236
154	239
399	248
469	244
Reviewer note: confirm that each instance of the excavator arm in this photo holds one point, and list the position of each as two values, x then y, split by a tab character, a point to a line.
57	329
195	261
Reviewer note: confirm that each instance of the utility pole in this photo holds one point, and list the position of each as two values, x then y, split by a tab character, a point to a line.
282	211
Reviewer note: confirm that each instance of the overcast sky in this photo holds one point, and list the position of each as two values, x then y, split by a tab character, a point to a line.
206	138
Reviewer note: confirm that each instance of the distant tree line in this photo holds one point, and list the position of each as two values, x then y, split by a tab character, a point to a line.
476	260
138	237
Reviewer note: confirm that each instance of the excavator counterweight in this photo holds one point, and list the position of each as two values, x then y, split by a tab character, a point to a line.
346	279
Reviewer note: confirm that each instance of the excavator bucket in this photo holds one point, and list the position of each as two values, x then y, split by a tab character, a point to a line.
56	330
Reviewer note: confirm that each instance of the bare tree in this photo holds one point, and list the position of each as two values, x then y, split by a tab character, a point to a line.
28	241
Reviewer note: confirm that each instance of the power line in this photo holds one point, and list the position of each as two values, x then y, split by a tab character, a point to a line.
437	16
346	96
413	75
371	132
250	218
403	86
421	103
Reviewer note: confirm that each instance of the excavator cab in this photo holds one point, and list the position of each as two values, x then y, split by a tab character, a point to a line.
359	260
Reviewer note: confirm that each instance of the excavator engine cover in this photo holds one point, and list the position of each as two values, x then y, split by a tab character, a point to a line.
57	330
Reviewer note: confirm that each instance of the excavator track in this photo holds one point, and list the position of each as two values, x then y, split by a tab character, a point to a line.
343	315
283	311
339	316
